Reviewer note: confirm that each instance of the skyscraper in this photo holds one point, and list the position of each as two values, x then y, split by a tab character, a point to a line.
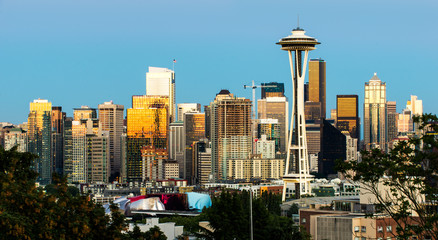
79	161
416	107
194	130
40	138
333	147
298	46
187	107
176	145
317	83
230	118
58	117
98	157
375	114
147	125
84	112
202	161
111	120
347	114
275	89
161	81
392	121
68	148
276	106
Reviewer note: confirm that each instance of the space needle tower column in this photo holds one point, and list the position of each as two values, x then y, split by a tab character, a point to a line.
298	46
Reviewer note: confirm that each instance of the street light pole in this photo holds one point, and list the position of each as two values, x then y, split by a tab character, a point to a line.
250	213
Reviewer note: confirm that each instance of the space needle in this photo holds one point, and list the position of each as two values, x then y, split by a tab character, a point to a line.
298	46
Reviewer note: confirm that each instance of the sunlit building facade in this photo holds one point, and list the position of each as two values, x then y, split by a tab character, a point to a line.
317	83
58	118
111	120
194	130
347	114
98	157
15	137
276	106
272	130
147	125
152	164
40	138
230	117
187	107
161	82
375	114
84	112
79	157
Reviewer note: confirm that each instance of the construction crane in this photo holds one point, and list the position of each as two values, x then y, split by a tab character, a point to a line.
253	95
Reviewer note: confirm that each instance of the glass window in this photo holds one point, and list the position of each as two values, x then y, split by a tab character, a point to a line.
364	229
356	229
388	228
303	220
379	229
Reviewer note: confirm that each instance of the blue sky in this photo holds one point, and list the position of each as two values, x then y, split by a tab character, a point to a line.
86	52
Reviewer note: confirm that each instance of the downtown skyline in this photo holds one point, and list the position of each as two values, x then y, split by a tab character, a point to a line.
97	52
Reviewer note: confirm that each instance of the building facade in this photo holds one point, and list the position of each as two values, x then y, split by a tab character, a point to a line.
230	117
375	114
161	81
347	114
187	107
317	83
193	131
40	138
147	125
111	120
276	106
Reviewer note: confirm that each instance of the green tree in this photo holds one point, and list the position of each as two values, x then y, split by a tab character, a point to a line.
229	217
294	209
155	233
26	212
404	180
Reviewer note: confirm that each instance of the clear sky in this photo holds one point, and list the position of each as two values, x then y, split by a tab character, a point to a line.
86	52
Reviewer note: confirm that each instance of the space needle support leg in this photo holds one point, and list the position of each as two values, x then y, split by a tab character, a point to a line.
286	170
305	164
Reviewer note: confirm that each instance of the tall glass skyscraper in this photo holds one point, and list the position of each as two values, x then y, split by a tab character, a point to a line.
375	114
40	138
193	131
161	81
147	125
347	114
317	83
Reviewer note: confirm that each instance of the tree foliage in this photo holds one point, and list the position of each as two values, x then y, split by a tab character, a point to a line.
404	181
26	212
229	216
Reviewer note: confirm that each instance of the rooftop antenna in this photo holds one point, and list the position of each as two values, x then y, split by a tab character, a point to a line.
298	20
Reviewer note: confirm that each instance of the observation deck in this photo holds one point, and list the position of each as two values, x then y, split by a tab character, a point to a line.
298	41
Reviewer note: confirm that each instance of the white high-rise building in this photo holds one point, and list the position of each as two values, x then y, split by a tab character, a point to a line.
415	105
161	81
187	107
